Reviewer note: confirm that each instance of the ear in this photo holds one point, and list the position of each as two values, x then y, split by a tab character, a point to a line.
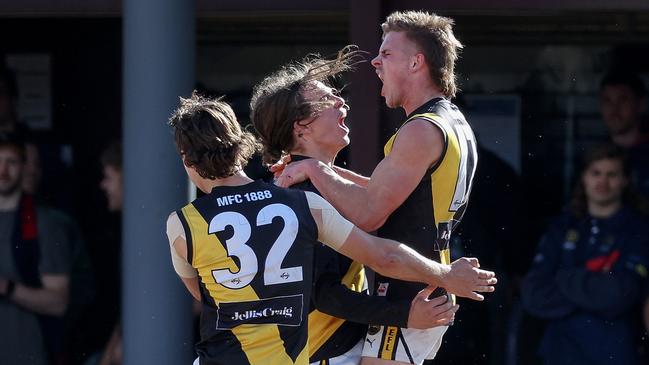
417	62
182	157
299	130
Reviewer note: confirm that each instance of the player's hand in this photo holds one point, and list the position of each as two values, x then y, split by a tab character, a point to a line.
294	173
279	166
429	313
466	279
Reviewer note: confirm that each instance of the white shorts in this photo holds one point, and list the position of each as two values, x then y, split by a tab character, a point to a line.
351	357
406	345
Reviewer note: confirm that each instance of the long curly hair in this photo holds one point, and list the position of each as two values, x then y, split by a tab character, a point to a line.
278	101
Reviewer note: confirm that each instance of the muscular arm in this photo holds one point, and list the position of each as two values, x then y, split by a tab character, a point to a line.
395	177
394	259
51	299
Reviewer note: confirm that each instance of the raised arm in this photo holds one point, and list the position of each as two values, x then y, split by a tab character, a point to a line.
390	258
395	177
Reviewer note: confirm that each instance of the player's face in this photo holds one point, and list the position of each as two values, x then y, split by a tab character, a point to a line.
11	170
392	66
620	108
111	184
604	182
327	129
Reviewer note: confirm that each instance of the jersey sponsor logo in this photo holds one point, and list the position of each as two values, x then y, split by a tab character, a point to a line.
282	311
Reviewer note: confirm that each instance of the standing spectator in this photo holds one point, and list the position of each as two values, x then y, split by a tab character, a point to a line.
34	267
595	255
623	100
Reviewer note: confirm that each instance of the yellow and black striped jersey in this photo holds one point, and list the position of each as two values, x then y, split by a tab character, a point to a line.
252	246
431	212
341	307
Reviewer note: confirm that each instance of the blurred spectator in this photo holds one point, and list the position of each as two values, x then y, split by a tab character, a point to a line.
35	260
623	100
104	339
9	123
589	271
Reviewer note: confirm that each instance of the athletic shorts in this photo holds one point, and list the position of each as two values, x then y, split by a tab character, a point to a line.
351	357
406	345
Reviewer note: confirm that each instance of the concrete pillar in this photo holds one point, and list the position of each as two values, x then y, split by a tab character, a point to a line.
158	66
366	149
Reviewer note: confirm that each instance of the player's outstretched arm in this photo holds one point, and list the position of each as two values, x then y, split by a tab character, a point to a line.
395	177
463	277
390	258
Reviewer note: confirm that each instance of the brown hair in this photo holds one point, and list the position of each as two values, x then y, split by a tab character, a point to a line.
209	137
16	141
433	35
606	151
278	100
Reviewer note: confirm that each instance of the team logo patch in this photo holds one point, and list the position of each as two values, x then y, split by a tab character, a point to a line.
282	311
382	290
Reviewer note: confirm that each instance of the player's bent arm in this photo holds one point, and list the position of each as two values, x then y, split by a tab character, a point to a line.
50	299
178	247
395	177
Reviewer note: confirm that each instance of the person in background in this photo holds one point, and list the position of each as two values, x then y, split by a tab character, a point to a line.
623	103
596	256
35	260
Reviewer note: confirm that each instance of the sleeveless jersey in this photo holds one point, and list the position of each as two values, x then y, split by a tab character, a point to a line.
430	213
252	246
331	336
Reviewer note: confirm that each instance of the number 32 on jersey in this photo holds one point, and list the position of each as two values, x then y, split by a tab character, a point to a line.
237	246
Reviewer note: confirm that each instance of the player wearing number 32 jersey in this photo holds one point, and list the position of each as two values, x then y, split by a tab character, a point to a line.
245	249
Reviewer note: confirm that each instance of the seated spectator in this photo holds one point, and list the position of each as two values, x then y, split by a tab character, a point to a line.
588	275
35	259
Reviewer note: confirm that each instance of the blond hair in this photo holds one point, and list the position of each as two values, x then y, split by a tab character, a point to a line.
433	35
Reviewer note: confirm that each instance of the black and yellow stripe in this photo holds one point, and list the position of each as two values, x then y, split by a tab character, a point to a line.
266	343
437	204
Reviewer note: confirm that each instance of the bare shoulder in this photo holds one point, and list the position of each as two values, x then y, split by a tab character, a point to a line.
420	130
421	140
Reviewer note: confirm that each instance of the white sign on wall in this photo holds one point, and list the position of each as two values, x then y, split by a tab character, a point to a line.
33	76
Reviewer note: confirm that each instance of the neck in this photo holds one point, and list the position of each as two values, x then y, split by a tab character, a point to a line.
318	154
239	178
603	210
626	138
10	202
418	96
